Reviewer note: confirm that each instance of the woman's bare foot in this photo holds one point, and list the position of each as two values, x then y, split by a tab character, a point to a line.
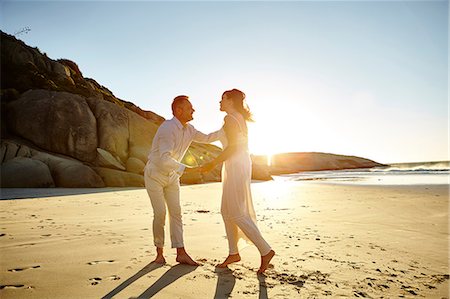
265	260
186	259
232	258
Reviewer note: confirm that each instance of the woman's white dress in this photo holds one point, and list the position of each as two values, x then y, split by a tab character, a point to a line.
236	177
237	206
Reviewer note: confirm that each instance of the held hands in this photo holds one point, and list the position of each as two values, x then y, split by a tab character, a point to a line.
193	175
198	171
207	167
192	170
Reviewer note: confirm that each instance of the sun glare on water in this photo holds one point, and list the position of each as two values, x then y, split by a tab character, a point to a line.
276	194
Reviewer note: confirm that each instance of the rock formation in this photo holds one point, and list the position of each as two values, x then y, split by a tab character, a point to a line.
298	162
61	129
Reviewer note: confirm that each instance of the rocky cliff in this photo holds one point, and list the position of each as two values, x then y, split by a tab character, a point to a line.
61	129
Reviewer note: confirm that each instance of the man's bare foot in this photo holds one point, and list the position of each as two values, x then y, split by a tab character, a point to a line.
186	259
159	256
160	259
232	258
265	260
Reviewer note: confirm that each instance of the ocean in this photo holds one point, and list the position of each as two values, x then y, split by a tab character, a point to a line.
425	173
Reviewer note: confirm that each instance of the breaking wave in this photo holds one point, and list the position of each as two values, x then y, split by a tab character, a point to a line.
440	166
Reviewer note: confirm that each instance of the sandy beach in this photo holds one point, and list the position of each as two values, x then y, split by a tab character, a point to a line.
332	240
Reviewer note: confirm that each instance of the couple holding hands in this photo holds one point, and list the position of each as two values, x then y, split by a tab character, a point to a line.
164	169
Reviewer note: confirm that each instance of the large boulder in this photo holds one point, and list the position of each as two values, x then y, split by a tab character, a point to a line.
65	171
59	122
74	175
21	172
142	132
135	165
117	178
9	150
69	173
106	159
112	128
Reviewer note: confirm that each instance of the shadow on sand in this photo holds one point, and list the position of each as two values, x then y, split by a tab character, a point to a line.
262	286
225	283
147	269
166	279
25	193
169	277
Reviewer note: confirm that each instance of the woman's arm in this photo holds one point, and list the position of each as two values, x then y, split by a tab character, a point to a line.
231	129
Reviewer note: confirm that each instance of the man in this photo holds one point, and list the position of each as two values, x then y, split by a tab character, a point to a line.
163	171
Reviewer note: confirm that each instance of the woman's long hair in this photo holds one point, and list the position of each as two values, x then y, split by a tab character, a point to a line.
238	98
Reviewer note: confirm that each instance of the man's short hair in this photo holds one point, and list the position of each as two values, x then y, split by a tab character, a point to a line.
177	101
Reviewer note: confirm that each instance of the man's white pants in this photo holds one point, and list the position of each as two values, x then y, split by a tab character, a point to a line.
164	190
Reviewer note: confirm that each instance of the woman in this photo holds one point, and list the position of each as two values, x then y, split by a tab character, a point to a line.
237	208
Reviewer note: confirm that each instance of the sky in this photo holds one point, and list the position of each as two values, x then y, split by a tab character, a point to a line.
360	78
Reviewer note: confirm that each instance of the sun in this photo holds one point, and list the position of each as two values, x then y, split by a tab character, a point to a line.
266	139
291	129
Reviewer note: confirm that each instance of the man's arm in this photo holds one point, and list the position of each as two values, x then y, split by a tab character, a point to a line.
207	138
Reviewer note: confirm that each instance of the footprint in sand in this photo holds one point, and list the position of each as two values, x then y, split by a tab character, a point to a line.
440	278
97	280
410	289
113	277
22	269
360	294
299	280
14	286
100	262
26	244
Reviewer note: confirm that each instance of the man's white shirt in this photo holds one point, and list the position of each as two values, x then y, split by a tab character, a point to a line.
170	144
